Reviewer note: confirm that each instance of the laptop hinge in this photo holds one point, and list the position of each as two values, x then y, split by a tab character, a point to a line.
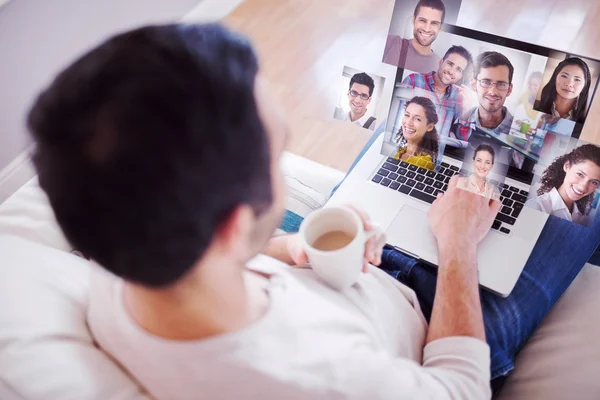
406	252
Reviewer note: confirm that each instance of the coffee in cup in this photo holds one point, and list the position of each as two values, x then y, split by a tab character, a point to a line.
334	240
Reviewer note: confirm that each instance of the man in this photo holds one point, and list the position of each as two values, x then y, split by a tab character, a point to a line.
173	195
416	54
441	84
492	81
360	93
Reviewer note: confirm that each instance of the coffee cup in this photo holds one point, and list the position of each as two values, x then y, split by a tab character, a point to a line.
334	240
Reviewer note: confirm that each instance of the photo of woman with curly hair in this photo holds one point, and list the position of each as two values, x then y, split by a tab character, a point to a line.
568	185
417	137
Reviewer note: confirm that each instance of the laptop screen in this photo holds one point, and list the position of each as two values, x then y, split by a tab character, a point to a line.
532	101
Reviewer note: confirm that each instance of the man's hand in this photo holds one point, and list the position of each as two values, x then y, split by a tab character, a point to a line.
373	248
459	220
459	217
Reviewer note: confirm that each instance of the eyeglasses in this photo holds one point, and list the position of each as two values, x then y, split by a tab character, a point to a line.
487	83
363	96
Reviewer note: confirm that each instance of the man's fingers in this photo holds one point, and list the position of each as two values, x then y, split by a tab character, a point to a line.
495	205
453	182
363	216
370	249
493	211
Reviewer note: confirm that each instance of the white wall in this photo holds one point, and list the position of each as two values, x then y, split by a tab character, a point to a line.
39	37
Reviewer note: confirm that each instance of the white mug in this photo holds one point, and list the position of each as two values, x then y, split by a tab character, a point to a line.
339	268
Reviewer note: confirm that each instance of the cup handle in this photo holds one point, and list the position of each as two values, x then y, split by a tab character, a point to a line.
376	231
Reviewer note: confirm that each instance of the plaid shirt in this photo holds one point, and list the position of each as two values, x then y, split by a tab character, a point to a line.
448	105
463	129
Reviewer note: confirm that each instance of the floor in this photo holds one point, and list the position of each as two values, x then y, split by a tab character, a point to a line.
304	45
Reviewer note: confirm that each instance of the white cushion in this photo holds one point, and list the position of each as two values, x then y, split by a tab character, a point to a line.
562	359
46	350
318	177
27	214
308	186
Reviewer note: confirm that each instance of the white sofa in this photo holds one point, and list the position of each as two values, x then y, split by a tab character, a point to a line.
46	351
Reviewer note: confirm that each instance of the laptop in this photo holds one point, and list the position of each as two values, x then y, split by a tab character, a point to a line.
397	194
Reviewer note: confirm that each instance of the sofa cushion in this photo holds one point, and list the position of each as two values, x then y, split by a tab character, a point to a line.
562	358
308	187
27	214
46	350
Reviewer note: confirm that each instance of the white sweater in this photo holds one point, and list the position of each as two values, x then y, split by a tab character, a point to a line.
367	342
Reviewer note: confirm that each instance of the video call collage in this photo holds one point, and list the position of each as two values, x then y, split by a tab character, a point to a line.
502	107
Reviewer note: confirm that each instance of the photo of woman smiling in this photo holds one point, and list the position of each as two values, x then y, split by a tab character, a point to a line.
417	137
564	98
477	182
569	184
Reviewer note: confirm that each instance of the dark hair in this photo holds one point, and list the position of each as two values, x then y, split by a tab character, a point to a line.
435	4
490	59
461	51
363	79
148	142
429	142
485	147
549	91
554	175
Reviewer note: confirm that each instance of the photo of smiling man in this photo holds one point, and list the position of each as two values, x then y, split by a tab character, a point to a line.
416	53
568	188
492	81
441	85
359	94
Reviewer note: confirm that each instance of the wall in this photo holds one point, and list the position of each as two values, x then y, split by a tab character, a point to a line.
39	37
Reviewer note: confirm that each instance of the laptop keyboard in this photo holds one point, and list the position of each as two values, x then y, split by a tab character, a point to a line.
425	185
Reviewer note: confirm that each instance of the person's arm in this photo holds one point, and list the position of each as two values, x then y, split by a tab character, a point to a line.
278	248
288	249
457	307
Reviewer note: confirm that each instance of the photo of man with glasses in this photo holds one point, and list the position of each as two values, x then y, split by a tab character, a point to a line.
492	81
360	94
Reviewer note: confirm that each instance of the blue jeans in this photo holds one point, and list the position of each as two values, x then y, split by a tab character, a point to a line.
559	254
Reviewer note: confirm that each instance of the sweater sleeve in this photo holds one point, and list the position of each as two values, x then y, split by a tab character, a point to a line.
453	368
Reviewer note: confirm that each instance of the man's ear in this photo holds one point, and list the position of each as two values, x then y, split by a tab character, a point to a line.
510	88
474	84
413	20
233	235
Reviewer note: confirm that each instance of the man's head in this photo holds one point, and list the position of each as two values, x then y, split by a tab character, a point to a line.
456	60
360	92
427	21
492	80
158	147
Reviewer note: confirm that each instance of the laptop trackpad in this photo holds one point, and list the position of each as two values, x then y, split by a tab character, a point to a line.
410	232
